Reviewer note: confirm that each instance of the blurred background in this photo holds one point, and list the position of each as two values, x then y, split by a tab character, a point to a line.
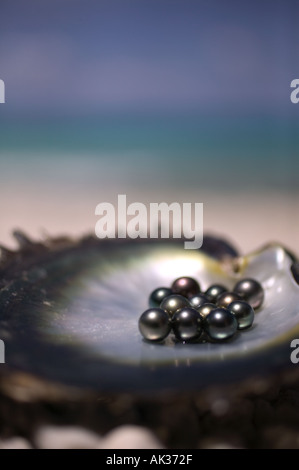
161	100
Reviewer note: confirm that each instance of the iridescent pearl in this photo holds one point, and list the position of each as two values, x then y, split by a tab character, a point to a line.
243	312
158	295
227	298
173	303
197	300
154	324
220	324
205	309
186	324
186	286
251	291
214	291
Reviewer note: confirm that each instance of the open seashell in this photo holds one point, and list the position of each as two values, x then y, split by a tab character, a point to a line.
70	309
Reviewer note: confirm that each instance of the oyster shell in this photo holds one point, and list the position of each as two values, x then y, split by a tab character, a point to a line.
69	314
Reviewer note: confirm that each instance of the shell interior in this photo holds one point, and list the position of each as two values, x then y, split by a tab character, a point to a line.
72	318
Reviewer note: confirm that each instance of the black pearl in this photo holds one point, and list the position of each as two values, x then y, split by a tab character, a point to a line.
186	286
243	312
205	309
197	300
154	324
227	298
158	295
214	291
186	324
251	291
220	324
174	302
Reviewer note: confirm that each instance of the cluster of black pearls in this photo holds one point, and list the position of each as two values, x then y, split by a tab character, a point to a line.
188	312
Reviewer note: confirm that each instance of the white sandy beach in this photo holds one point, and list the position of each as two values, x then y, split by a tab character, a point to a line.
248	220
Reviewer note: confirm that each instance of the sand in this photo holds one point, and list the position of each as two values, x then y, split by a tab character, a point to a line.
248	220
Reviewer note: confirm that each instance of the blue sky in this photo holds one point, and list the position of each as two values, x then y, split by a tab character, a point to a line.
86	56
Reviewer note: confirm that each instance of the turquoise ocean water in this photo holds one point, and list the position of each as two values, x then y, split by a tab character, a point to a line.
224	153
